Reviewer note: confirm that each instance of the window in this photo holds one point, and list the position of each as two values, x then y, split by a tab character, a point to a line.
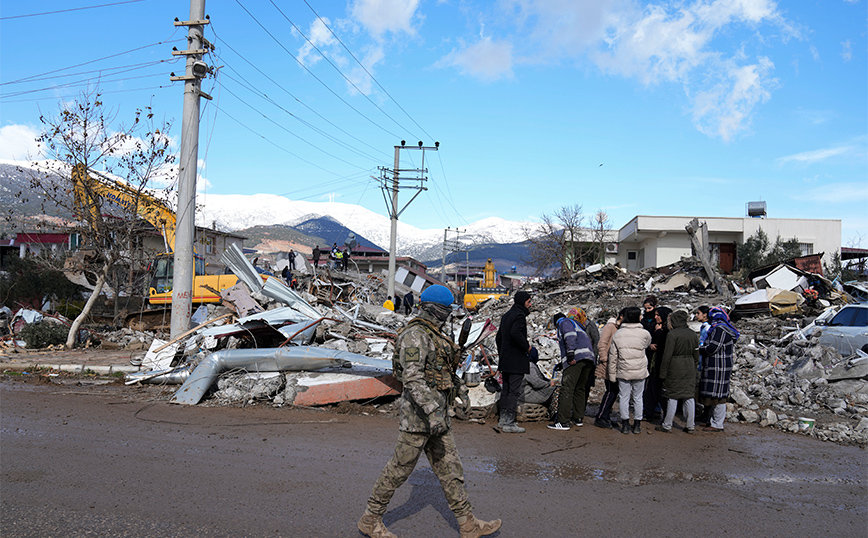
807	248
844	318
208	242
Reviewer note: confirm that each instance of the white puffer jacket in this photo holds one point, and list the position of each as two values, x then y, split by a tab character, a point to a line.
627	358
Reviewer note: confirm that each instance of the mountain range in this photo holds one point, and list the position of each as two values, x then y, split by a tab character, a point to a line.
271	222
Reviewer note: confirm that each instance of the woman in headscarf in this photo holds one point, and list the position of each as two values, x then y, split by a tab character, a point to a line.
653	387
717	358
678	371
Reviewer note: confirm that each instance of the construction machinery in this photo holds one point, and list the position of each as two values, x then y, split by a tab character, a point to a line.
206	288
474	293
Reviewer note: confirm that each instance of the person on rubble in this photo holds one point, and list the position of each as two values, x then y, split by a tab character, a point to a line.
514	350
316	255
678	371
388	304
717	355
578	360
628	364
408	301
425	361
603	418
346	258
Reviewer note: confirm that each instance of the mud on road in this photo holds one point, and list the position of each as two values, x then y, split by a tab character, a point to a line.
107	460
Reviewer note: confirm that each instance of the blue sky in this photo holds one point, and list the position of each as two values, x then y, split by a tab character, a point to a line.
689	107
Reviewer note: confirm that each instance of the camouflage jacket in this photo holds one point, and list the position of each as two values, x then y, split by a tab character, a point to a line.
426	366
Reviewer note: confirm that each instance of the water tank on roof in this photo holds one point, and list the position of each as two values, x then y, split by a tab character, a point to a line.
756	209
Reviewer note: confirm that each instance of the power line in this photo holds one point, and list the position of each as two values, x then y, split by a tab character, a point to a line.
55	97
98	59
70	9
326	58
288	131
357	111
86	81
138	65
363	67
299	101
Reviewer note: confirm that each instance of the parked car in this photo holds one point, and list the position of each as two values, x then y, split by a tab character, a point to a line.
847	331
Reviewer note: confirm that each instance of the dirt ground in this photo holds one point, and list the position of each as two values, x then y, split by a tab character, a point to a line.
80	458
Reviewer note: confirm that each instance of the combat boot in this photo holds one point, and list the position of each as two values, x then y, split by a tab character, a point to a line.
471	527
373	526
509	425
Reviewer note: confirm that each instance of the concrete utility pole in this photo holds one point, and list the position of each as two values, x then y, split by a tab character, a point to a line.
392	204
449	246
196	70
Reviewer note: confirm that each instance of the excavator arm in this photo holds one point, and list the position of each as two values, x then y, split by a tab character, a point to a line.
150	208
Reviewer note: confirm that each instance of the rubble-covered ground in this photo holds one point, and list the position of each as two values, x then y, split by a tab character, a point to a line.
780	376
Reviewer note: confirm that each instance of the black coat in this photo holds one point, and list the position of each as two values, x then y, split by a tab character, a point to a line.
511	341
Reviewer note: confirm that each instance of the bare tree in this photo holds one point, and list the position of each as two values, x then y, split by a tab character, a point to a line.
80	144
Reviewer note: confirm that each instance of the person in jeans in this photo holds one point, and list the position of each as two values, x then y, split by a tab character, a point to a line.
514	357
628	364
577	354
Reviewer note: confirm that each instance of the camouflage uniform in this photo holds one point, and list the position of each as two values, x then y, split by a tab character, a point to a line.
425	362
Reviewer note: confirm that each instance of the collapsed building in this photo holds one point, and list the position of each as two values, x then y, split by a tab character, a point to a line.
331	342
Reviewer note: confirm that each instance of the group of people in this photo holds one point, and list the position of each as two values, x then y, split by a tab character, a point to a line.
650	361
662	354
404	304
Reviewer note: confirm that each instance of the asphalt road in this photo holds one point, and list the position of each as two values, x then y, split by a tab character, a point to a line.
114	461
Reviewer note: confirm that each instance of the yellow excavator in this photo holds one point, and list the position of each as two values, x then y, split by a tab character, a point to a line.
158	214
475	294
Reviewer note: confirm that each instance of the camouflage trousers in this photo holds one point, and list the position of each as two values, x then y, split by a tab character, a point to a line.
443	457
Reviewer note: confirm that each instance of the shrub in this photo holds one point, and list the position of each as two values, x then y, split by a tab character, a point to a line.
44	334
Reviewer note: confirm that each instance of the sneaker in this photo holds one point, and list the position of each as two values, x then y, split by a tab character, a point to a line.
558	426
578	423
688	430
663	429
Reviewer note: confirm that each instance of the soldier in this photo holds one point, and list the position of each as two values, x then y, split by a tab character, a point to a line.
425	361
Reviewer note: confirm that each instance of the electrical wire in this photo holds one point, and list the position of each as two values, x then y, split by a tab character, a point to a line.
86	81
70	9
72	95
357	111
326	58
365	69
165	41
299	101
138	65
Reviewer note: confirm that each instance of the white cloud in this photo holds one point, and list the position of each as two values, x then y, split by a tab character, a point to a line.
18	142
382	16
836	193
486	59
811	157
847	50
318	35
815	53
726	108
664	41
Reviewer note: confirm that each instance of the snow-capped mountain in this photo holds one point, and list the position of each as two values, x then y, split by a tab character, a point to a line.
230	212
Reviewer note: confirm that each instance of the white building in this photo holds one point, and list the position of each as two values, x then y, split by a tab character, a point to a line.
650	241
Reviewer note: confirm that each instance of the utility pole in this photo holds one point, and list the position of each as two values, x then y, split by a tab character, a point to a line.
449	246
196	70
392	205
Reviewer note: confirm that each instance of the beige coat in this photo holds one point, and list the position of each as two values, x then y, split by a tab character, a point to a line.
603	348
627	359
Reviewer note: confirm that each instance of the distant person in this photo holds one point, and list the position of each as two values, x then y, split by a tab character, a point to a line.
286	274
648	307
628	364
255	261
717	354
316	255
388	304
653	385
590	327
291	260
408	303
339	260
346	257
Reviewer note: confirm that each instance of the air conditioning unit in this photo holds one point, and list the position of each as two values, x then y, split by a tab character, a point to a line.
611	248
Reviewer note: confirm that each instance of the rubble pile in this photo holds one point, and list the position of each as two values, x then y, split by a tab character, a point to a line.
269	344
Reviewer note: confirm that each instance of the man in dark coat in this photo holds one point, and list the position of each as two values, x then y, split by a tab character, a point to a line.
513	351
316	255
408	303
